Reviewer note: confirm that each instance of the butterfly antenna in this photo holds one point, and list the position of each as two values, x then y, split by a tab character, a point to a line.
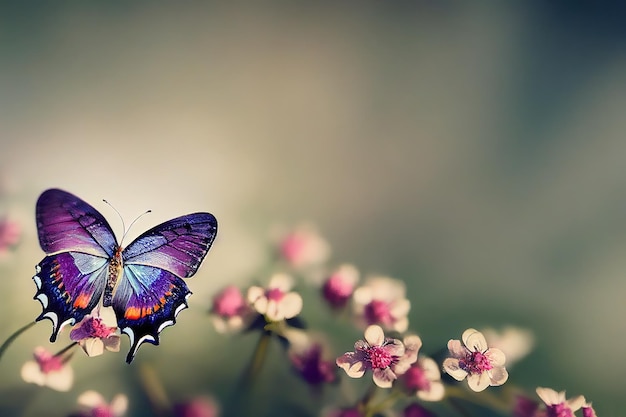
118	214
133	222
122	219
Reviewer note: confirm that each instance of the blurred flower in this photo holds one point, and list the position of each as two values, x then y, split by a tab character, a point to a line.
10	232
304	247
515	342
524	407
339	286
557	405
588	410
483	366
96	331
197	407
424	378
307	357
48	370
93	404
275	301
416	410
386	357
230	311
382	301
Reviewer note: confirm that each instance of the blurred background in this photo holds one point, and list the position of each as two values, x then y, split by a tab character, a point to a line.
473	150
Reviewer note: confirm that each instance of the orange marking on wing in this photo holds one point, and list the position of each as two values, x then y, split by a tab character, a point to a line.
82	301
133	313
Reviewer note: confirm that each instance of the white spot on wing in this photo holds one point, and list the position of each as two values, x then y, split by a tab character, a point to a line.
43	299
164	325
37	280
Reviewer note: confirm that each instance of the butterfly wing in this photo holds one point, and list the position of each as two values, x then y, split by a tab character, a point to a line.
78	242
152	293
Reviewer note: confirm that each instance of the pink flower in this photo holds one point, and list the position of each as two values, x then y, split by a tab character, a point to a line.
424	378
93	404
386	358
197	407
524	407
339	286
557	405
416	410
483	366
10	232
230	311
588	410
307	357
96	332
382	301
304	247
275	302
48	370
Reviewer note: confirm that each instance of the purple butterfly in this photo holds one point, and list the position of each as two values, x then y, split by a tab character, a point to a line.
143	282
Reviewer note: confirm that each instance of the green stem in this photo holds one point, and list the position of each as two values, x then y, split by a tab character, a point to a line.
154	390
260	352
14	336
384	404
66	348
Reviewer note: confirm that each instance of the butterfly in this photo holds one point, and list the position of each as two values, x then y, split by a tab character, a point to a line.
85	264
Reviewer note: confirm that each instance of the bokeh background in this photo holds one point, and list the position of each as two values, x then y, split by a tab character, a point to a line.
474	150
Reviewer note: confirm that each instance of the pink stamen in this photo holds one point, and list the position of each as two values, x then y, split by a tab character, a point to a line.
379	357
415	379
378	312
475	363
48	362
229	302
274	294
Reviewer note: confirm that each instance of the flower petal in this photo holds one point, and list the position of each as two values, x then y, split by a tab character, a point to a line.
352	364
478	382
92	346
498	376
112	343
60	380
384	377
430	368
291	305
435	393
119	404
496	357
550	396
451	366
91	399
254	293
32	374
576	402
456	348
474	340
401	325
107	314
282	282
374	335
400	308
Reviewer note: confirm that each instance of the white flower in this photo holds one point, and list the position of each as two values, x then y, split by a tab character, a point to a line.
275	301
48	370
556	401
95	405
382	301
483	366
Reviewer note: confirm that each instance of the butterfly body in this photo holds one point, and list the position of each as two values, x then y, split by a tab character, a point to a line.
85	265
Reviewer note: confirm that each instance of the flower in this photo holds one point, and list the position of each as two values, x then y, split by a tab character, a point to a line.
424	378
382	301
48	370
307	357
386	357
588	410
339	286
515	342
275	302
304	247
96	332
9	235
93	404
524	407
483	366
197	407
416	410
557	405
230	311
